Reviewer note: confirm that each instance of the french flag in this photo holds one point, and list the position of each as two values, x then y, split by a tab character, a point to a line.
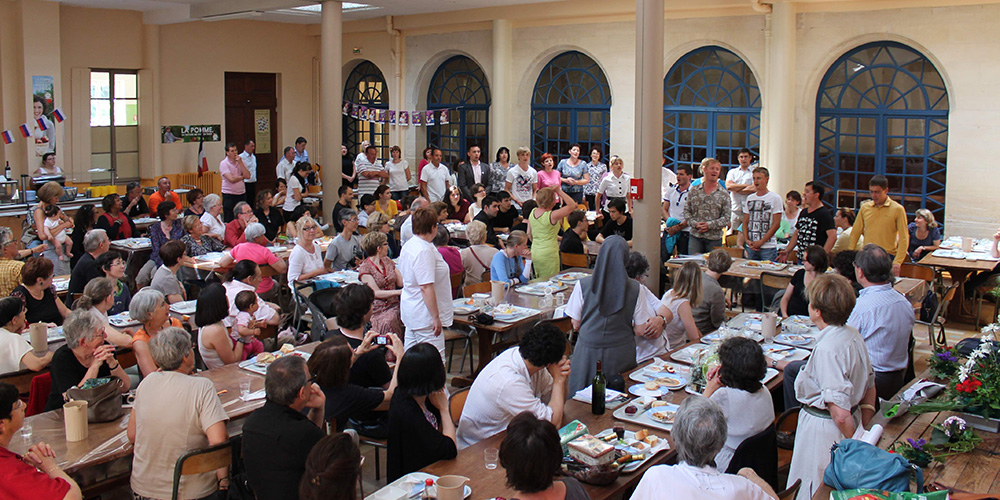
25	131
41	124
58	115
8	137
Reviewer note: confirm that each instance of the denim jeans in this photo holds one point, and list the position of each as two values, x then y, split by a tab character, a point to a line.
762	254
698	245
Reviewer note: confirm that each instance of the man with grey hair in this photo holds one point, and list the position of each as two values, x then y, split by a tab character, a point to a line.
345	250
406	230
243	216
278	437
95	242
10	265
255	249
884	318
173	413
699	433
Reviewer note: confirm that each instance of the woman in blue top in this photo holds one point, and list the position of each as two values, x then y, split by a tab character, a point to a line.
512	264
597	171
925	236
575	173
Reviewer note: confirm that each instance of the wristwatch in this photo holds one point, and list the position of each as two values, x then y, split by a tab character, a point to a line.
774	363
244	340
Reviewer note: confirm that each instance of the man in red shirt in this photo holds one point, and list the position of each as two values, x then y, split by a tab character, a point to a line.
163	193
243	215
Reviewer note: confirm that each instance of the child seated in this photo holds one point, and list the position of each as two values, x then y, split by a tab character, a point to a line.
62	244
247	328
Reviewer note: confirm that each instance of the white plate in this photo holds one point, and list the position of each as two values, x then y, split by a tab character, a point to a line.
784	352
460	307
687	354
571	276
640	389
186	307
643	416
793	339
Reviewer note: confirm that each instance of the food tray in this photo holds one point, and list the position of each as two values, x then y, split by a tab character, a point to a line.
764	265
347	277
461	307
687	354
629	446
410	486
515	314
642	417
652	371
261	369
569	277
539	289
769	375
210	257
785	353
145	220
809	340
122	320
718	336
61	285
55	334
187	307
133	243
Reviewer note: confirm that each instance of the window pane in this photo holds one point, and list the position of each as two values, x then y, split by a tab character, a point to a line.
127	165
100	112
100	161
126	139
126	112
100	85
100	139
125	86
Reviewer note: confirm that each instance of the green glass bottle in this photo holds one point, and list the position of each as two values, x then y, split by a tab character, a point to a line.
597	392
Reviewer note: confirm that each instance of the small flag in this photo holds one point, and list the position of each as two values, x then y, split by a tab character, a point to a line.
25	131
41	124
202	159
8	137
58	115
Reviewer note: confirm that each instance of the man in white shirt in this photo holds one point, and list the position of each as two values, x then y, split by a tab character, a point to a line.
473	172
434	178
530	377
673	207
370	172
250	160
761	219
667	178
699	433
406	228
283	170
739	183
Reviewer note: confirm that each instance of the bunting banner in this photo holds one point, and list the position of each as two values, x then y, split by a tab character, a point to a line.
58	115
8	137
399	118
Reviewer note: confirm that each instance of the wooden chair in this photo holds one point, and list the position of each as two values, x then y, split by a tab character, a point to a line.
456	283
731	240
760	453
573	260
378	444
920	272
458	334
565	324
456	402
792	257
791	491
484	287
734	252
979	296
204	460
772	280
362	230
582	206
937	320
786	424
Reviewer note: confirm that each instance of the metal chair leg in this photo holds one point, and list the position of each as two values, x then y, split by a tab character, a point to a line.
378	467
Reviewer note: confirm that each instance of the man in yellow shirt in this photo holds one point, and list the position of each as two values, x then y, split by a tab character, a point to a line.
882	221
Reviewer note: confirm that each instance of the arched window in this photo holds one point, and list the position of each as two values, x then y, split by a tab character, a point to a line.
366	86
711	107
460	85
882	109
571	103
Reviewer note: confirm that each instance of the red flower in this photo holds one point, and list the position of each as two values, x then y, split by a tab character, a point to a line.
970	385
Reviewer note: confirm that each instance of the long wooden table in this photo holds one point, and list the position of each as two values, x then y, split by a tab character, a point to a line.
107	442
959	269
487	483
977	471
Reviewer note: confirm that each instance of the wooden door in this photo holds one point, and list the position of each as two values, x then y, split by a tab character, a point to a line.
251	113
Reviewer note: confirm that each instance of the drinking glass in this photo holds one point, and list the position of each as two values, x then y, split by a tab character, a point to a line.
492	456
244	386
26	431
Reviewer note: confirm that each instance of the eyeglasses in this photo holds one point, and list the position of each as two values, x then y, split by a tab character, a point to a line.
309	228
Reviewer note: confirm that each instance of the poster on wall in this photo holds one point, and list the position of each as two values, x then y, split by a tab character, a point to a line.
193	133
43	130
404	118
262	130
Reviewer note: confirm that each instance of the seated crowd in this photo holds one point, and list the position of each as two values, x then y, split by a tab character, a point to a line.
380	370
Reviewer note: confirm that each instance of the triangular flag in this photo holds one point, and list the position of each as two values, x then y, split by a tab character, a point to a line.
202	159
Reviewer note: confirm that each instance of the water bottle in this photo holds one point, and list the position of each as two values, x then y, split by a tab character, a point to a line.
547	300
597	391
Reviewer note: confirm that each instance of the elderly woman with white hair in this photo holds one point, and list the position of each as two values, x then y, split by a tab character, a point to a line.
196	237
306	259
84	356
255	249
149	307
699	432
212	218
173	413
477	258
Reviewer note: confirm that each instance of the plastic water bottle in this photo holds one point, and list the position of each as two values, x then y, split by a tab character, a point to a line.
547	300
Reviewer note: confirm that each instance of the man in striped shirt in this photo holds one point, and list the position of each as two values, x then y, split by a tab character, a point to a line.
884	318
371	173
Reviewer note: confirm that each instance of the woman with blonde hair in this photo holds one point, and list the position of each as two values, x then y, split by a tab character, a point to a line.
380	274
379	222
925	236
306	259
679	300
477	258
844	218
543	229
99	297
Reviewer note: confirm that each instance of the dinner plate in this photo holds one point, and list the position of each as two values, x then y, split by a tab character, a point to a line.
460	306
641	390
794	339
571	276
687	354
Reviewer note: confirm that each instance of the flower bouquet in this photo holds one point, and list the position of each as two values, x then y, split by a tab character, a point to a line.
976	389
952	437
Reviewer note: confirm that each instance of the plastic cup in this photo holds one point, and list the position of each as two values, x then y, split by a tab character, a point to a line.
244	386
26	431
492	456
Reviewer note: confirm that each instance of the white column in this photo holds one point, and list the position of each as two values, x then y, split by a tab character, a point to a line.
500	109
780	92
151	154
330	68
648	132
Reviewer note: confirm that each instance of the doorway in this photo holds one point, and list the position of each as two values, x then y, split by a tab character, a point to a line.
252	113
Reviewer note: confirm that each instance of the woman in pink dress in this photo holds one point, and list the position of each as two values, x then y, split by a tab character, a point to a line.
380	274
549	176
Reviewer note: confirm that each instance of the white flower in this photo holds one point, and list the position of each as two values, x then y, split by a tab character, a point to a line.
963	372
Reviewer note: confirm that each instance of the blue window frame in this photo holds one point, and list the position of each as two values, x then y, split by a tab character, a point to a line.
460	85
366	86
882	109
571	103
711	108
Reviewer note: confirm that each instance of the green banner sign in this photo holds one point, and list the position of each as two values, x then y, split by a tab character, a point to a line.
190	133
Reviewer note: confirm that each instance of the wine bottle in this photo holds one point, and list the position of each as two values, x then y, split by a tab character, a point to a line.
597	391
6	171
